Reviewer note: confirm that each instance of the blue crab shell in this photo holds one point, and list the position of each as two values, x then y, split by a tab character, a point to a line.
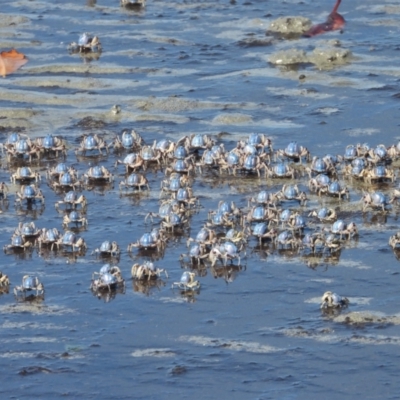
89	142
380	171
66	179
195	250
378	199
180	166
285	215
105	246
49	142
146	240
217	219
97	172
202	236
258	213
21	146
208	158
254	139
30	282
230	248
334	188
260	229
130	158
290	192
359	162
133	180
61	168
29	192
127	140
147	153
27	229
338	226
262	197
224	208
280	169
163	145
74	216
105	269
182	194
284	236
17	241
319	166
350	153
323	180
25	172
380	151
185	278
83	39
108	279
180	153
232	159
70	197
292	149
322	213
197	142
299	222
69	238
13	138
250	162
51	235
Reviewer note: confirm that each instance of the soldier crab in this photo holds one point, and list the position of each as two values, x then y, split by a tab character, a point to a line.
331	300
30	194
49	237
76	218
51	145
281	171
29	284
91	143
70	241
72	200
18	242
187	282
129	140
108	249
224	252
149	241
321	166
341	229
374	200
261	232
27	230
66	181
147	271
294	152
108	278
324	214
25	174
134	181
291	192
85	44
98	174
335	190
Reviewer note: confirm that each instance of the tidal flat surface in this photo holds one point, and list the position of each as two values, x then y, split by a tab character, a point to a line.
177	68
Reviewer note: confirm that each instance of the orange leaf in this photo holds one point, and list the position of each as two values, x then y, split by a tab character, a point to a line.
10	61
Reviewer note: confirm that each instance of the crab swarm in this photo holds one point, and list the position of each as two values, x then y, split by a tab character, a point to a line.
292	205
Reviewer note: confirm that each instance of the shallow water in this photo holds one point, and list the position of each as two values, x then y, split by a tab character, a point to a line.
178	68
